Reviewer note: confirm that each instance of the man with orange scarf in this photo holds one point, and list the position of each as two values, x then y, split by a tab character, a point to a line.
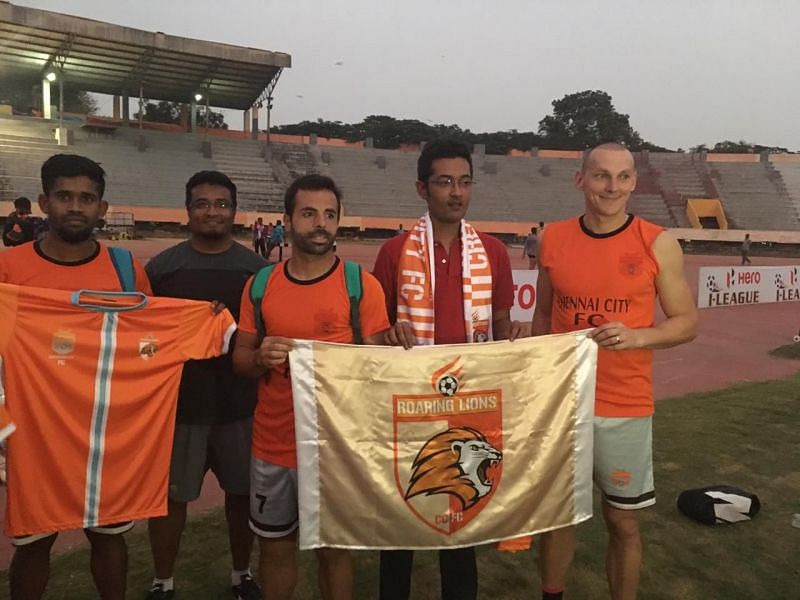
445	283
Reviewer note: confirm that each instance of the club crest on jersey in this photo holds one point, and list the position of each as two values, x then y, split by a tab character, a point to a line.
63	342
448	449
148	347
631	264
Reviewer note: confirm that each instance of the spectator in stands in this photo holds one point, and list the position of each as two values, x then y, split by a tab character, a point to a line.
444	172
20	226
529	250
260	237
625	262
746	249
276	239
215	406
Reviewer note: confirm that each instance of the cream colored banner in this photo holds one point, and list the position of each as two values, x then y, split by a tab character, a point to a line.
443	446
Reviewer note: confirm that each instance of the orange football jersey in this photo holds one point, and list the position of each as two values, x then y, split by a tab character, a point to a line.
91	383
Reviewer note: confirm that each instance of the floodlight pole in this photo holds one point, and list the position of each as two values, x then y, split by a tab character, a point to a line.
267	95
269	116
207	110
61	141
141	105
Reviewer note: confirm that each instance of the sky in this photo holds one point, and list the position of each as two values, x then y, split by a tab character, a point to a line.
686	71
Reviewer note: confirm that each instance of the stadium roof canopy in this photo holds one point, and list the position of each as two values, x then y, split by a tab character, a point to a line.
112	59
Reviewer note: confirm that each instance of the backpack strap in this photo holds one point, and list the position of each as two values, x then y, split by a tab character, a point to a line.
257	291
352	277
122	259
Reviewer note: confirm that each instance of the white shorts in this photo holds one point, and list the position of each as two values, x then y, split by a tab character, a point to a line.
113	529
273	499
623	461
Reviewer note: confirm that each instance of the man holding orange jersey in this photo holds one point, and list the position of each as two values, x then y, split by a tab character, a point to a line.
69	258
603	270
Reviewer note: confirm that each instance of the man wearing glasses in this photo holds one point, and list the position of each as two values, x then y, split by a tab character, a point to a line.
423	273
215	406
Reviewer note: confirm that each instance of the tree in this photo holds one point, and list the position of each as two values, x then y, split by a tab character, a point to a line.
388	132
161	112
22	100
743	147
584	120
320	127
216	120
170	112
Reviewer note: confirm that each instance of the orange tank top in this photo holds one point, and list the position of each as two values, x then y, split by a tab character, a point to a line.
598	278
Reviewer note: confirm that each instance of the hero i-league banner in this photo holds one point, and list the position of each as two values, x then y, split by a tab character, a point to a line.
442	446
732	286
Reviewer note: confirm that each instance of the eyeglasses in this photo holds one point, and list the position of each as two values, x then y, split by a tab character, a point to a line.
446	181
204	205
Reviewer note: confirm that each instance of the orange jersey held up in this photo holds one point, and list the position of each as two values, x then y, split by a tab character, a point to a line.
598	279
7	426
91	382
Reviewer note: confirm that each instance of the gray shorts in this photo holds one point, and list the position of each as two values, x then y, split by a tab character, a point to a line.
225	449
623	461
273	499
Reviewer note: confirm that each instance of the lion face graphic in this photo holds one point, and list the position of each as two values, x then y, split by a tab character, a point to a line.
454	462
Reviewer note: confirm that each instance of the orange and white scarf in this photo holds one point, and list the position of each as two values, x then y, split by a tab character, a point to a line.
416	283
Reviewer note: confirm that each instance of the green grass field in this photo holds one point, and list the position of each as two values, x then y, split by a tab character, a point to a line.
746	435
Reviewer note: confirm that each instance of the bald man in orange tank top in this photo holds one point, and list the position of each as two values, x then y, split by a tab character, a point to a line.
603	271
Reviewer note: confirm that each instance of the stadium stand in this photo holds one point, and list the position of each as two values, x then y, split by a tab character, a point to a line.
243	161
753	197
526	189
293	160
380	183
371	189
789	172
678	177
155	177
647	201
24	145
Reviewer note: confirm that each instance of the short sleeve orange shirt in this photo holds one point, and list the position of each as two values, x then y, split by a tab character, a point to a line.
91	382
27	265
313	310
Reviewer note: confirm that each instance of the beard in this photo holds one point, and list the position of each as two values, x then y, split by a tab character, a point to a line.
70	235
212	236
306	244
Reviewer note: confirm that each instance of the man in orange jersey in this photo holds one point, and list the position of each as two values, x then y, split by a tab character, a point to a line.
603	270
306	297
69	258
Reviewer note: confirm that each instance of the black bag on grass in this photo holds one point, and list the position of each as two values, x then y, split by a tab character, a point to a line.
718	504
